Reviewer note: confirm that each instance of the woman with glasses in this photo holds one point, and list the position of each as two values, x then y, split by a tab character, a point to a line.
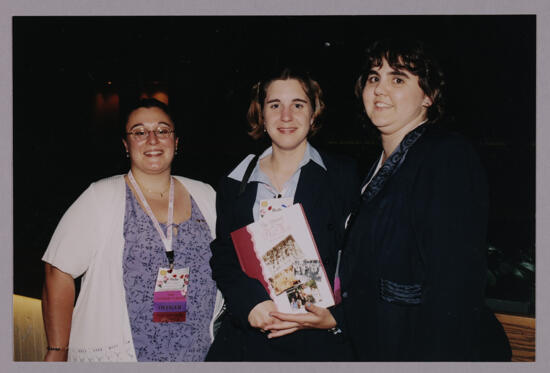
286	107
141	243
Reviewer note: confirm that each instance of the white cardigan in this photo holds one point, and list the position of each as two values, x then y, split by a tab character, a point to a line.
89	240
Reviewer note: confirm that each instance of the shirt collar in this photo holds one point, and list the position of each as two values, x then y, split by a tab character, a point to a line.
311	154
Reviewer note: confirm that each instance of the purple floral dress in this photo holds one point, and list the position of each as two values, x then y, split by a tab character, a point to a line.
143	255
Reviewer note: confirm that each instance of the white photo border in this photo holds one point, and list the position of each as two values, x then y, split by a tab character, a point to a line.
11	8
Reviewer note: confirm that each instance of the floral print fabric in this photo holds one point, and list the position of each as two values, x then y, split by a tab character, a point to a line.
143	255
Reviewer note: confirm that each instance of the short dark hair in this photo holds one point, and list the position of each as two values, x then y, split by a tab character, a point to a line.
145	103
413	56
259	90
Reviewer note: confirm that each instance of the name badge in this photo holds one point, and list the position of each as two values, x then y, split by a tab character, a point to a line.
268	206
170	297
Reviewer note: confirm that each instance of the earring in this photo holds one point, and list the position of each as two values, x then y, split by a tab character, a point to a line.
176	152
127	154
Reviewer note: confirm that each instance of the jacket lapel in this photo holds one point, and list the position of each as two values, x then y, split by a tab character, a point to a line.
392	164
309	193
243	211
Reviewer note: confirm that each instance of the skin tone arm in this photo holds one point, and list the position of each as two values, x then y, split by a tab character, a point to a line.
315	318
58	296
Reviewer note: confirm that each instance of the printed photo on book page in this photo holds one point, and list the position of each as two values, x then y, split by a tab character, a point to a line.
280	251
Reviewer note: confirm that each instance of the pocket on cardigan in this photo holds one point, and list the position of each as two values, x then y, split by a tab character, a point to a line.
404	294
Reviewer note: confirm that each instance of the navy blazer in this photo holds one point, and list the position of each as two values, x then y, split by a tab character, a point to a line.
414	269
326	197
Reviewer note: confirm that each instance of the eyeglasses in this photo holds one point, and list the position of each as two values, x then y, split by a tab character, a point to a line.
141	134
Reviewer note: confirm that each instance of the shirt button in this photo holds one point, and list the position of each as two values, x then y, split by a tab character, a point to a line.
345	294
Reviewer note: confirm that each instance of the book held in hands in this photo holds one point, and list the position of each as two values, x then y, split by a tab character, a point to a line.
279	250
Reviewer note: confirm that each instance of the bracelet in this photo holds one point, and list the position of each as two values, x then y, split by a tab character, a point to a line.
56	348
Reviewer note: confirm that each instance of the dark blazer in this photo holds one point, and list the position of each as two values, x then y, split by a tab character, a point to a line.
414	270
326	197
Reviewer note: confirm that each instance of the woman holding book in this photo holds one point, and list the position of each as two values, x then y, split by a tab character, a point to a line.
287	107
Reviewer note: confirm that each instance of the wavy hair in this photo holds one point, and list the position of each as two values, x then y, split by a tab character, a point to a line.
410	55
259	90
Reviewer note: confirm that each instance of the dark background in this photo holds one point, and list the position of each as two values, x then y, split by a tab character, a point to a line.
71	75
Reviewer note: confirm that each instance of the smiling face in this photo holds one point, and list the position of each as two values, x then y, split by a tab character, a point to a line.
151	155
287	114
393	100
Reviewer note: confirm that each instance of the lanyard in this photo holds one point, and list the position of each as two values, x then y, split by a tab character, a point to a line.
166	238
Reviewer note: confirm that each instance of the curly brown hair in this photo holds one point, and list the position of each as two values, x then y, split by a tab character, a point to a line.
410	55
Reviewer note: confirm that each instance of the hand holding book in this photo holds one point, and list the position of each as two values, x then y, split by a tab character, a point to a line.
280	252
260	316
315	318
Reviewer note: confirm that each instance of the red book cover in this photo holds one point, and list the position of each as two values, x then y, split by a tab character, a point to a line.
279	250
250	264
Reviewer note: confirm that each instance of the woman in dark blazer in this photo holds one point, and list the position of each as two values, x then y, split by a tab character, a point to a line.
287	107
414	267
